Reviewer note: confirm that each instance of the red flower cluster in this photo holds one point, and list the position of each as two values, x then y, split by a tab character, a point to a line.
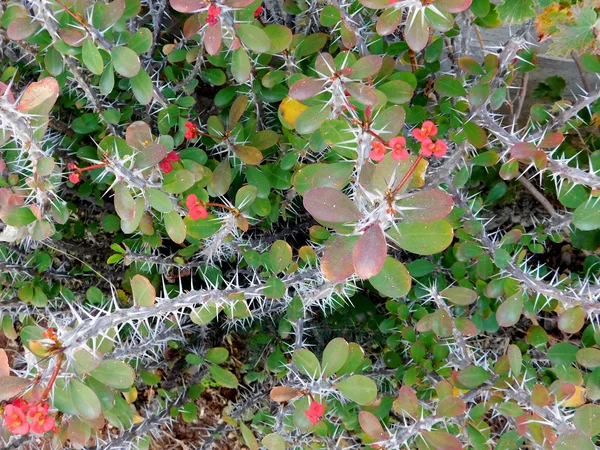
213	17
192	130
74	177
428	146
197	209
21	417
399	150
165	164
314	412
426	131
258	11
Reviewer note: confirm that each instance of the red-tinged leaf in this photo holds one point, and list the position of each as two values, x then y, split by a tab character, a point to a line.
425	323
4	367
330	205
416	32
306	88
282	394
509	170
522	423
453	6
138	135
237	110
426	206
21	28
451	407
540	159
124	204
369	252
540	396
11	386
336	263
72	37
150	155
522	150
239	3
365	67
389	21
375	4
6	92
187	6
459	295
144	293
552	140
39	97
349	38
324	64
370	425
362	93
192	25
465	326
212	39
407	403
572	320
509	311
249	155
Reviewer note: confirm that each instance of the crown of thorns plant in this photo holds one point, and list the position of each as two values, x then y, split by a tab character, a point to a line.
299	224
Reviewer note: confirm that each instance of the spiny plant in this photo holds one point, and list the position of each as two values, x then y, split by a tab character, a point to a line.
298	224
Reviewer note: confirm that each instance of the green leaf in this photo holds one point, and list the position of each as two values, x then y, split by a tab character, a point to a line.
178	181
562	353
588	357
449	86
460	296
334	356
281	256
473	376
392	280
476	136
125	62
159	200
516	11
92	57
359	389
141	41
84	400
217	355
115	374
307	363
587	419
423	238
509	311
254	38
397	91
142	87
175	227
311	119
19	217
223	377
587	215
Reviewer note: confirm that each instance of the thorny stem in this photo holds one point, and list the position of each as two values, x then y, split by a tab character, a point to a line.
59	361
407	175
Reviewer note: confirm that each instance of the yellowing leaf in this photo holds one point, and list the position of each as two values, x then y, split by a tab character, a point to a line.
577	399
418	179
291	109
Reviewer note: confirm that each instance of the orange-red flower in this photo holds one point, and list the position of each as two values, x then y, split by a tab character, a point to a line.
74	177
213	16
258	11
314	412
192	131
40	421
427	130
399	150
437	148
15	420
378	151
197	209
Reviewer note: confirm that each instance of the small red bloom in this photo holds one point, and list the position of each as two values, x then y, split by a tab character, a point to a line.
71	165
213	15
50	334
258	11
426	131
314	412
165	166
437	148
399	151
197	209
15	420
378	151
172	157
40	422
21	404
74	177
192	131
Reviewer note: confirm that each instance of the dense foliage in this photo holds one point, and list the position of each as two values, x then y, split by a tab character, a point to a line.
298	224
